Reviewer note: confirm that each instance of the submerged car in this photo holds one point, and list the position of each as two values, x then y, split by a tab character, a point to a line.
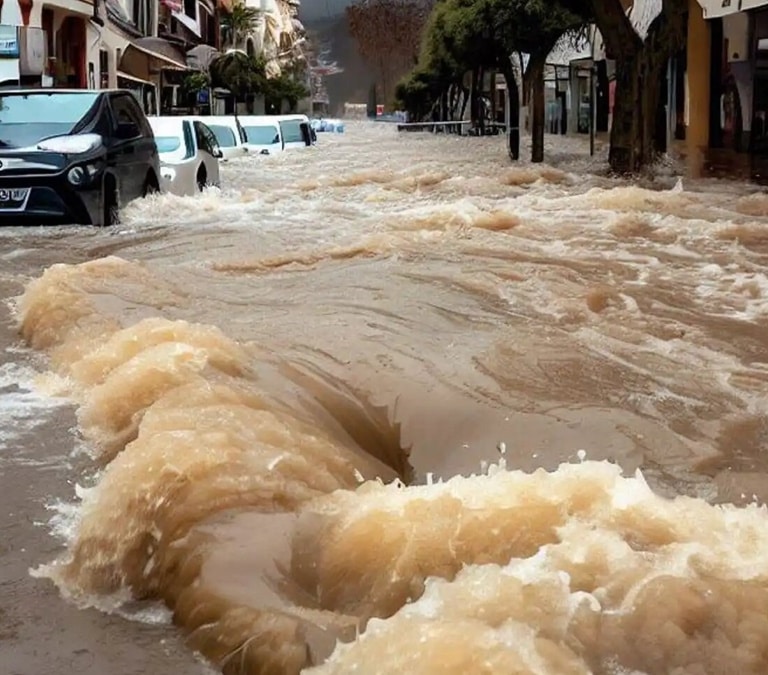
73	156
229	134
262	134
189	154
326	125
296	131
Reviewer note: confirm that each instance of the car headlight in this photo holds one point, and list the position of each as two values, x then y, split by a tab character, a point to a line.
76	175
81	174
168	173
71	145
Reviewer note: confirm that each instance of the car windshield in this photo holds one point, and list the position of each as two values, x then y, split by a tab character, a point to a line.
26	119
166	144
224	135
264	135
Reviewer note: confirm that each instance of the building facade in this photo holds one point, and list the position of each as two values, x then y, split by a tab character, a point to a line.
146	46
279	35
726	87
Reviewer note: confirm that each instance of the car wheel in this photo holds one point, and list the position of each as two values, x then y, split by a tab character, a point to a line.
202	178
151	186
111	202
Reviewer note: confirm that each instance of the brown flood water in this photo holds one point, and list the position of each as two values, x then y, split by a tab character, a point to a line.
485	418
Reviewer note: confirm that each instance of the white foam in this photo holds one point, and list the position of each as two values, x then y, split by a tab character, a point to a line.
22	410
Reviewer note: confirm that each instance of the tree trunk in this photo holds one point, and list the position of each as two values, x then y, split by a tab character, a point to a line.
626	131
638	95
479	100
464	101
473	98
536	80
513	101
521	66
493	97
639	68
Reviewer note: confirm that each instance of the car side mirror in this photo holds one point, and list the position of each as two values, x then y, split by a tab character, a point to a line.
127	131
217	153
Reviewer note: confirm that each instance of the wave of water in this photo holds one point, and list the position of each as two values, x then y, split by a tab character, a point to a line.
341	419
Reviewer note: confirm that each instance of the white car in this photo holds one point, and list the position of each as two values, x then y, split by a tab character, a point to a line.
296	131
189	154
228	132
263	135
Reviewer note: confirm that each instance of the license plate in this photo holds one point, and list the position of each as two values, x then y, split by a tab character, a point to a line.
14	198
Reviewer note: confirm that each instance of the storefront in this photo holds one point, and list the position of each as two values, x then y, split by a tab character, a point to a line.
727	84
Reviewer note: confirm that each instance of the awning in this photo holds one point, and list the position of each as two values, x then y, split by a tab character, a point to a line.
132	78
149	55
752	4
187	21
201	57
714	9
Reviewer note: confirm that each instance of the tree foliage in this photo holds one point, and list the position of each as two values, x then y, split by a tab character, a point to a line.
388	34
473	35
640	61
241	74
238	23
284	88
466	35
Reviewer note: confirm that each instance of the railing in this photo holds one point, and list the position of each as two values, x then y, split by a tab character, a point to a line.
446	127
460	127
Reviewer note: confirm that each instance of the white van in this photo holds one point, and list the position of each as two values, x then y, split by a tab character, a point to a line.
228	131
262	134
296	130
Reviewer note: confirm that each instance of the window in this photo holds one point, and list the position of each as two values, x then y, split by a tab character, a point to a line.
142	16
292	131
127	111
189	141
26	119
167	144
206	141
262	135
224	135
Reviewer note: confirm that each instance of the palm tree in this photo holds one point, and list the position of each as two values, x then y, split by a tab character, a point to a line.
238	23
241	74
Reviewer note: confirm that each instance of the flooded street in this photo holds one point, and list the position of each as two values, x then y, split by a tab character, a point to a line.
313	404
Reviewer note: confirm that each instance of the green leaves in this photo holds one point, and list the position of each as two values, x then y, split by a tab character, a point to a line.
237	24
283	88
241	74
463	34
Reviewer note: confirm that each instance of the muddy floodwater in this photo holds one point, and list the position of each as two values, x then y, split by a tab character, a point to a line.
391	405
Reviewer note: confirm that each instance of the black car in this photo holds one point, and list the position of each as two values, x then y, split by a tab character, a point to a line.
73	155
